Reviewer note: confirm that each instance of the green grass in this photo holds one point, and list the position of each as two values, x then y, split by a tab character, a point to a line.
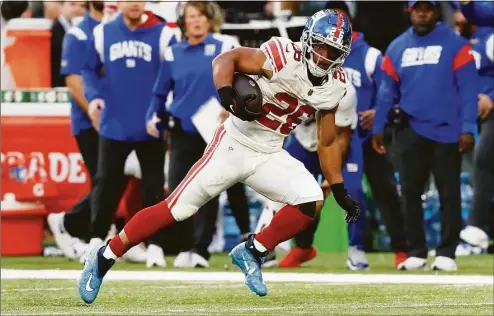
48	297
59	297
324	262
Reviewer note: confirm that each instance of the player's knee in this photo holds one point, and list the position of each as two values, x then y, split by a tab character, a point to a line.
308	208
182	212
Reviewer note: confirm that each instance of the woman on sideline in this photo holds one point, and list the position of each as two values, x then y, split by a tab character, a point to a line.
187	71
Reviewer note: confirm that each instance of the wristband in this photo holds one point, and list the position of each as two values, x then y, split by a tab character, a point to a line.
338	190
227	94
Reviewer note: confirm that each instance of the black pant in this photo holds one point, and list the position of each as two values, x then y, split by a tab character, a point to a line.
483	180
380	175
110	179
419	156
196	232
76	221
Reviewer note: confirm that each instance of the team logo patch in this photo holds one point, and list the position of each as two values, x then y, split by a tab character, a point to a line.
209	49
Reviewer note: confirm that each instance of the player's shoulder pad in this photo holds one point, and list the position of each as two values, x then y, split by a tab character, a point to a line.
78	33
279	51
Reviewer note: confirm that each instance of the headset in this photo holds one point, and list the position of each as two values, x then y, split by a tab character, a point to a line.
210	13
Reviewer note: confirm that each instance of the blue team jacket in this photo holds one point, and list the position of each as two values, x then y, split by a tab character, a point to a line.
131	61
434	80
363	68
74	52
482	42
187	71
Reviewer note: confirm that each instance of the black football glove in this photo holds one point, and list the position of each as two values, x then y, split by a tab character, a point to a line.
346	202
235	104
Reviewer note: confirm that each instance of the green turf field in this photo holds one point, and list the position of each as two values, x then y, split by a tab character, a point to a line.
118	297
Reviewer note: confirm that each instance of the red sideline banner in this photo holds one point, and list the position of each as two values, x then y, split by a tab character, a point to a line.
41	161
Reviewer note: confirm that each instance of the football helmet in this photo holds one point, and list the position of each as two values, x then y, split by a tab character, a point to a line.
326	41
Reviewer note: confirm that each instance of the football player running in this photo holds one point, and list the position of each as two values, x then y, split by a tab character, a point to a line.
297	82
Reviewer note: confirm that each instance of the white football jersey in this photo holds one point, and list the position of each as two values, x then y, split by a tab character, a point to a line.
346	116
289	98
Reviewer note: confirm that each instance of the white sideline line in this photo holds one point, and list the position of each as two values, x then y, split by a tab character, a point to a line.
13	274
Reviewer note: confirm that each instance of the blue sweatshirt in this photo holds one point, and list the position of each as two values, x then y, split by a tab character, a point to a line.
434	80
188	71
130	60
482	42
363	68
479	12
74	50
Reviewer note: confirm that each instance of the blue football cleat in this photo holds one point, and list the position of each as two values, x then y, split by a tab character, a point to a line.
92	275
244	259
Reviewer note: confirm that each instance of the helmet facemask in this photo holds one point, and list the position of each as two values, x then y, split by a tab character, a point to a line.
313	46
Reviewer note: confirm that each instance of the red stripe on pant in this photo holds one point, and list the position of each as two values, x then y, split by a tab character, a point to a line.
198	166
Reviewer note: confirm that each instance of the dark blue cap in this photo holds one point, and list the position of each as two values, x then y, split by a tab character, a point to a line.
411	4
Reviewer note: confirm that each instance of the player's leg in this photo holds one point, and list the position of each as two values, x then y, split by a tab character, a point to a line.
216	171
151	156
380	175
75	223
475	233
304	250
282	178
352	172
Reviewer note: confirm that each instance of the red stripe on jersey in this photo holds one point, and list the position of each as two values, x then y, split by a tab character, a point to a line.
275	51
339	25
463	57
388	68
198	166
281	50
267	51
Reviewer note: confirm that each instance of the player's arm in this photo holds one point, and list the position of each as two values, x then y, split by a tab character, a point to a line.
241	59
73	51
330	156
343	138
156	115
244	60
387	96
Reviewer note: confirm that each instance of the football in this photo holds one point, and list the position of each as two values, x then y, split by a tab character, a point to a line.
249	90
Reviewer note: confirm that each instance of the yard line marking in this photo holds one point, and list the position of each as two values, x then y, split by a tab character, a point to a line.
13	274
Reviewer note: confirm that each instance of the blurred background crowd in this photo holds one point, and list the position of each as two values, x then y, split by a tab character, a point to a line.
129	167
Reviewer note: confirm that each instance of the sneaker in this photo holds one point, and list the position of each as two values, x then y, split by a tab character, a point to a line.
198	261
137	254
444	264
400	257
95	268
80	248
297	256
154	256
270	260
93	243
251	267
475	236
413	263
62	238
356	259
183	260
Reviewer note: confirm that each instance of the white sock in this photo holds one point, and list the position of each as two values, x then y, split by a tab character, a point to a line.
259	246
108	254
